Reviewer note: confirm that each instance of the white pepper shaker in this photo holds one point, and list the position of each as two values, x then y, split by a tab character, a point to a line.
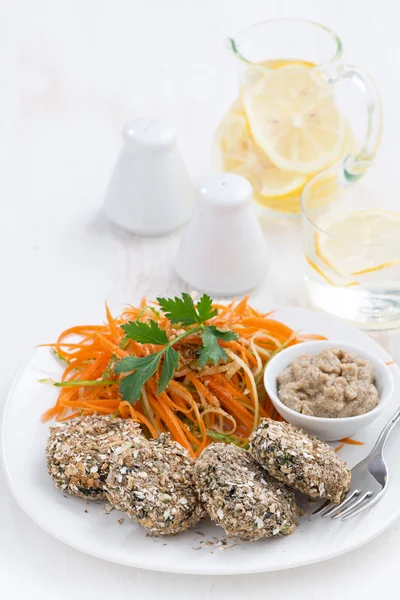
150	191
223	250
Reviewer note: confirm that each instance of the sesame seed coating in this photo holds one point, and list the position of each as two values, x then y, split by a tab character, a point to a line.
300	461
241	497
153	483
79	452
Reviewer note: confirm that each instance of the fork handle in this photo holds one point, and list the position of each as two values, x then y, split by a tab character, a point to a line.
386	431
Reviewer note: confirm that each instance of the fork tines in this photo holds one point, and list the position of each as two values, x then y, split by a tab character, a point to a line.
353	504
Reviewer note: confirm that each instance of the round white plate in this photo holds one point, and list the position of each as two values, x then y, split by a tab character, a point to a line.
203	550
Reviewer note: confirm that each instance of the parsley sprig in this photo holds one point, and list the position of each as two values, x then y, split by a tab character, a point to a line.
180	311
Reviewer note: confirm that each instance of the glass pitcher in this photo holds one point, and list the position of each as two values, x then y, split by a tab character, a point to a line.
288	122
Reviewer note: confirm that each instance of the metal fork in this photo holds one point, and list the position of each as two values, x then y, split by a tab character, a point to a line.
370	474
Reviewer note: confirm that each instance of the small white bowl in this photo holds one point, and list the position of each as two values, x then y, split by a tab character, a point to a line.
328	429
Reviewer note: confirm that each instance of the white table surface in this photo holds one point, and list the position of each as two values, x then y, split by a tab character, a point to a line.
71	74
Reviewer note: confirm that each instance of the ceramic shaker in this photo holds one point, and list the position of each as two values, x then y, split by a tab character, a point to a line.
223	250
150	192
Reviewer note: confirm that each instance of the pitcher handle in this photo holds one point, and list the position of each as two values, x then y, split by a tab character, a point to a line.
354	166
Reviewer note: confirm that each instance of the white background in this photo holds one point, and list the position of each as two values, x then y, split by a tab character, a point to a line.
71	74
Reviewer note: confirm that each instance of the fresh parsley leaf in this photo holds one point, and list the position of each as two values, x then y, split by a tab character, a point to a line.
171	358
179	310
145	333
211	349
145	366
222	334
204	308
131	363
182	310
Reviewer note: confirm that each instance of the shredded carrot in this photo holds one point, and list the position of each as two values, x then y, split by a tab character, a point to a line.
307	337
137	416
270	325
64	345
338	448
227	399
113	347
352	442
70	416
114	329
171	421
391	362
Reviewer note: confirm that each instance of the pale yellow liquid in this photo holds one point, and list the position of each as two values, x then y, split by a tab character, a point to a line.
356	282
275	188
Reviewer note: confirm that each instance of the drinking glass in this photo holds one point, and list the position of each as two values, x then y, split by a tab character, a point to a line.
351	242
288	122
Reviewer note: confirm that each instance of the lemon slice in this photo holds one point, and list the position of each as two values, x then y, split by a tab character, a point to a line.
240	154
328	278
359	242
233	137
293	118
269	180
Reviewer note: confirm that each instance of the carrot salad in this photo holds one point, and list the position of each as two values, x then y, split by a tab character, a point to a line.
201	403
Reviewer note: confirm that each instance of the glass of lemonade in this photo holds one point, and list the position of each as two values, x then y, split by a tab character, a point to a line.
351	242
288	123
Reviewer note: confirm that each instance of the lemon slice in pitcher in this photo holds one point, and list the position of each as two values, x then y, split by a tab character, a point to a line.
233	136
293	118
359	242
241	155
270	181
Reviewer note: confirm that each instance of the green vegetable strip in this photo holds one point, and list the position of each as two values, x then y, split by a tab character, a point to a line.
79	382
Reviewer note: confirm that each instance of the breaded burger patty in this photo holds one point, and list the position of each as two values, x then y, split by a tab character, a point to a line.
152	482
241	497
300	461
79	452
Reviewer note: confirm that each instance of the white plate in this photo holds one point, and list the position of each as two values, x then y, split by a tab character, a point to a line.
196	551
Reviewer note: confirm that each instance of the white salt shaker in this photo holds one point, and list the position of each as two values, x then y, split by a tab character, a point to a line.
150	191
223	250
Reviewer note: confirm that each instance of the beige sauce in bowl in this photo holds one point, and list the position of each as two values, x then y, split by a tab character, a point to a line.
333	383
